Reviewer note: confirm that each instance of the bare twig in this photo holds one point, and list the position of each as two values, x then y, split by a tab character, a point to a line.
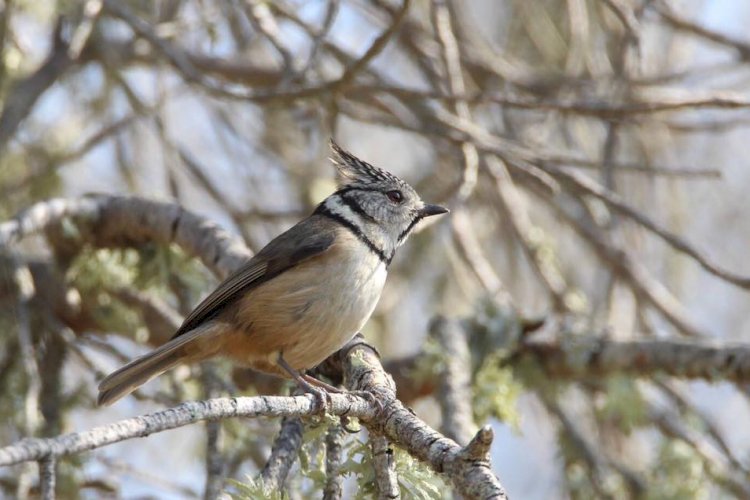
647	101
47	478
283	454
737	483
598	468
441	18
25	287
375	48
454	389
681	24
24	94
318	38
333	489
633	272
386	478
513	206
34	449
585	185
91	11
214	460
472	252
686	406
260	15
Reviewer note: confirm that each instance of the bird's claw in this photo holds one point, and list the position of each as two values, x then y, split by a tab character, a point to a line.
321	400
370	397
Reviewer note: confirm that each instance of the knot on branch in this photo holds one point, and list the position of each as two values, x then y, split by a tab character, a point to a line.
479	447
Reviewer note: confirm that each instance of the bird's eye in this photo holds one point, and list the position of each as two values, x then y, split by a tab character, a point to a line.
395	196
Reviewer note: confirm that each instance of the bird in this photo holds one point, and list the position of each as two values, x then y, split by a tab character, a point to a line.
305	294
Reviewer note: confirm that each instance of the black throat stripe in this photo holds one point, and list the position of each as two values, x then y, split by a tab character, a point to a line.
406	231
325	211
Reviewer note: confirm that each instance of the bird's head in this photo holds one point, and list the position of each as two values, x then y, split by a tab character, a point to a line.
382	205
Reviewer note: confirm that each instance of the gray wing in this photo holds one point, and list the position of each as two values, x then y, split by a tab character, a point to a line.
308	238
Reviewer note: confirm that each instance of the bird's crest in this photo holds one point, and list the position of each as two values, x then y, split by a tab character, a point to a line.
353	172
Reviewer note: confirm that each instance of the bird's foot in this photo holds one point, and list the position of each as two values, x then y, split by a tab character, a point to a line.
370	397
330	389
321	399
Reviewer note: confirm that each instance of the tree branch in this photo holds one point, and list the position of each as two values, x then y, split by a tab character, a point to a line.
386	478
122	221
47	478
467	467
24	94
583	357
283	454
333	489
187	413
454	390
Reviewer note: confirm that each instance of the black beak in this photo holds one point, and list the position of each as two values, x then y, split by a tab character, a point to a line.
430	210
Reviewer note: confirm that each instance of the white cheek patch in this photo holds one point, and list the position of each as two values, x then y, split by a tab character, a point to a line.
335	205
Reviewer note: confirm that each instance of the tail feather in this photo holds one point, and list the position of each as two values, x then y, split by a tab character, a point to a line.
195	345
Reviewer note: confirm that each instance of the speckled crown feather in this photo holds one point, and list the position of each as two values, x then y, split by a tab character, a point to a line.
354	172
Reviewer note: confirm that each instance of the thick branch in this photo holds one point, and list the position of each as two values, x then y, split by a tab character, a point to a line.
468	468
122	221
592	357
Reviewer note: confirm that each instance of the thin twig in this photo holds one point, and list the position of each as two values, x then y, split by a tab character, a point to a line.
24	94
34	449
334	487
375	48
386	478
454	389
47	478
283	454
441	19
526	234
716	466
214	459
585	185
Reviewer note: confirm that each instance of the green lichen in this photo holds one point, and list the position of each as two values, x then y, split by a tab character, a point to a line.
496	393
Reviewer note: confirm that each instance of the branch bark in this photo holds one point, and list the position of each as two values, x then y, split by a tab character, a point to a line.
24	94
454	390
594	357
333	489
468	468
386	478
127	221
283	454
34	449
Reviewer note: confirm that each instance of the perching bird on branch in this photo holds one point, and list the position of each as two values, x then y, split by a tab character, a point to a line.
304	295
